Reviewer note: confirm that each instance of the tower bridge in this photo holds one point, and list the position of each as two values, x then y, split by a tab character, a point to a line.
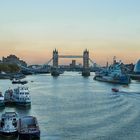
85	57
55	70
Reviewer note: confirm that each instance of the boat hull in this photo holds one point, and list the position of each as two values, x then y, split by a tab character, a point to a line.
135	76
26	136
102	79
23	103
2	104
9	134
31	131
21	82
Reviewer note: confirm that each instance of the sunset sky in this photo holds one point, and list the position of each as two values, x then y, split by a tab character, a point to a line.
31	29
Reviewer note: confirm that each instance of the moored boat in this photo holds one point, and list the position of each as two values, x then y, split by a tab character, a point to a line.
2	103
115	90
21	96
9	124
113	74
8	96
28	128
15	81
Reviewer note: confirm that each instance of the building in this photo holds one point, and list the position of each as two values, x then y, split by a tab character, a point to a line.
129	68
12	59
73	64
137	67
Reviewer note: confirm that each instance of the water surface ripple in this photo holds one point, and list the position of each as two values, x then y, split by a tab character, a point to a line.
71	107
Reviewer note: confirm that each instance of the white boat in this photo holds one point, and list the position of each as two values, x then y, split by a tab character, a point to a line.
9	124
2	103
21	96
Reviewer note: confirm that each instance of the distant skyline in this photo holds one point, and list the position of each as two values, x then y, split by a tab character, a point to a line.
31	29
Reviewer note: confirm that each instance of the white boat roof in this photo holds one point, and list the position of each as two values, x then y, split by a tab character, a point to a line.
28	120
9	114
22	88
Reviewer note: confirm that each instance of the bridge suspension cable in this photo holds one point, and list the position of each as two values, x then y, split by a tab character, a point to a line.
91	61
48	62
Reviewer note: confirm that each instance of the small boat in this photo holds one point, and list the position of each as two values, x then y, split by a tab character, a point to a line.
28	128
115	90
9	124
21	96
15	81
2	103
125	92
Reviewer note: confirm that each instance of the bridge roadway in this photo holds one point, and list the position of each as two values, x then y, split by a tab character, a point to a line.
70	56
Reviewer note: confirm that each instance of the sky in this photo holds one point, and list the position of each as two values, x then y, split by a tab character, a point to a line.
32	29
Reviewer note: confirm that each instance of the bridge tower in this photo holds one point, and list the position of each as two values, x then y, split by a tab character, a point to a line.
55	58
54	70
86	70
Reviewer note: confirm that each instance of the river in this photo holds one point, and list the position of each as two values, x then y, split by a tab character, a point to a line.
71	107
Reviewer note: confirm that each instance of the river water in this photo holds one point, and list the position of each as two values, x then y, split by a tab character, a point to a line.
71	107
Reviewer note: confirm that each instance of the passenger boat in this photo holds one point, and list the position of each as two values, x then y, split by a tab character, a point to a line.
2	103
8	96
21	96
28	128
15	81
9	124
